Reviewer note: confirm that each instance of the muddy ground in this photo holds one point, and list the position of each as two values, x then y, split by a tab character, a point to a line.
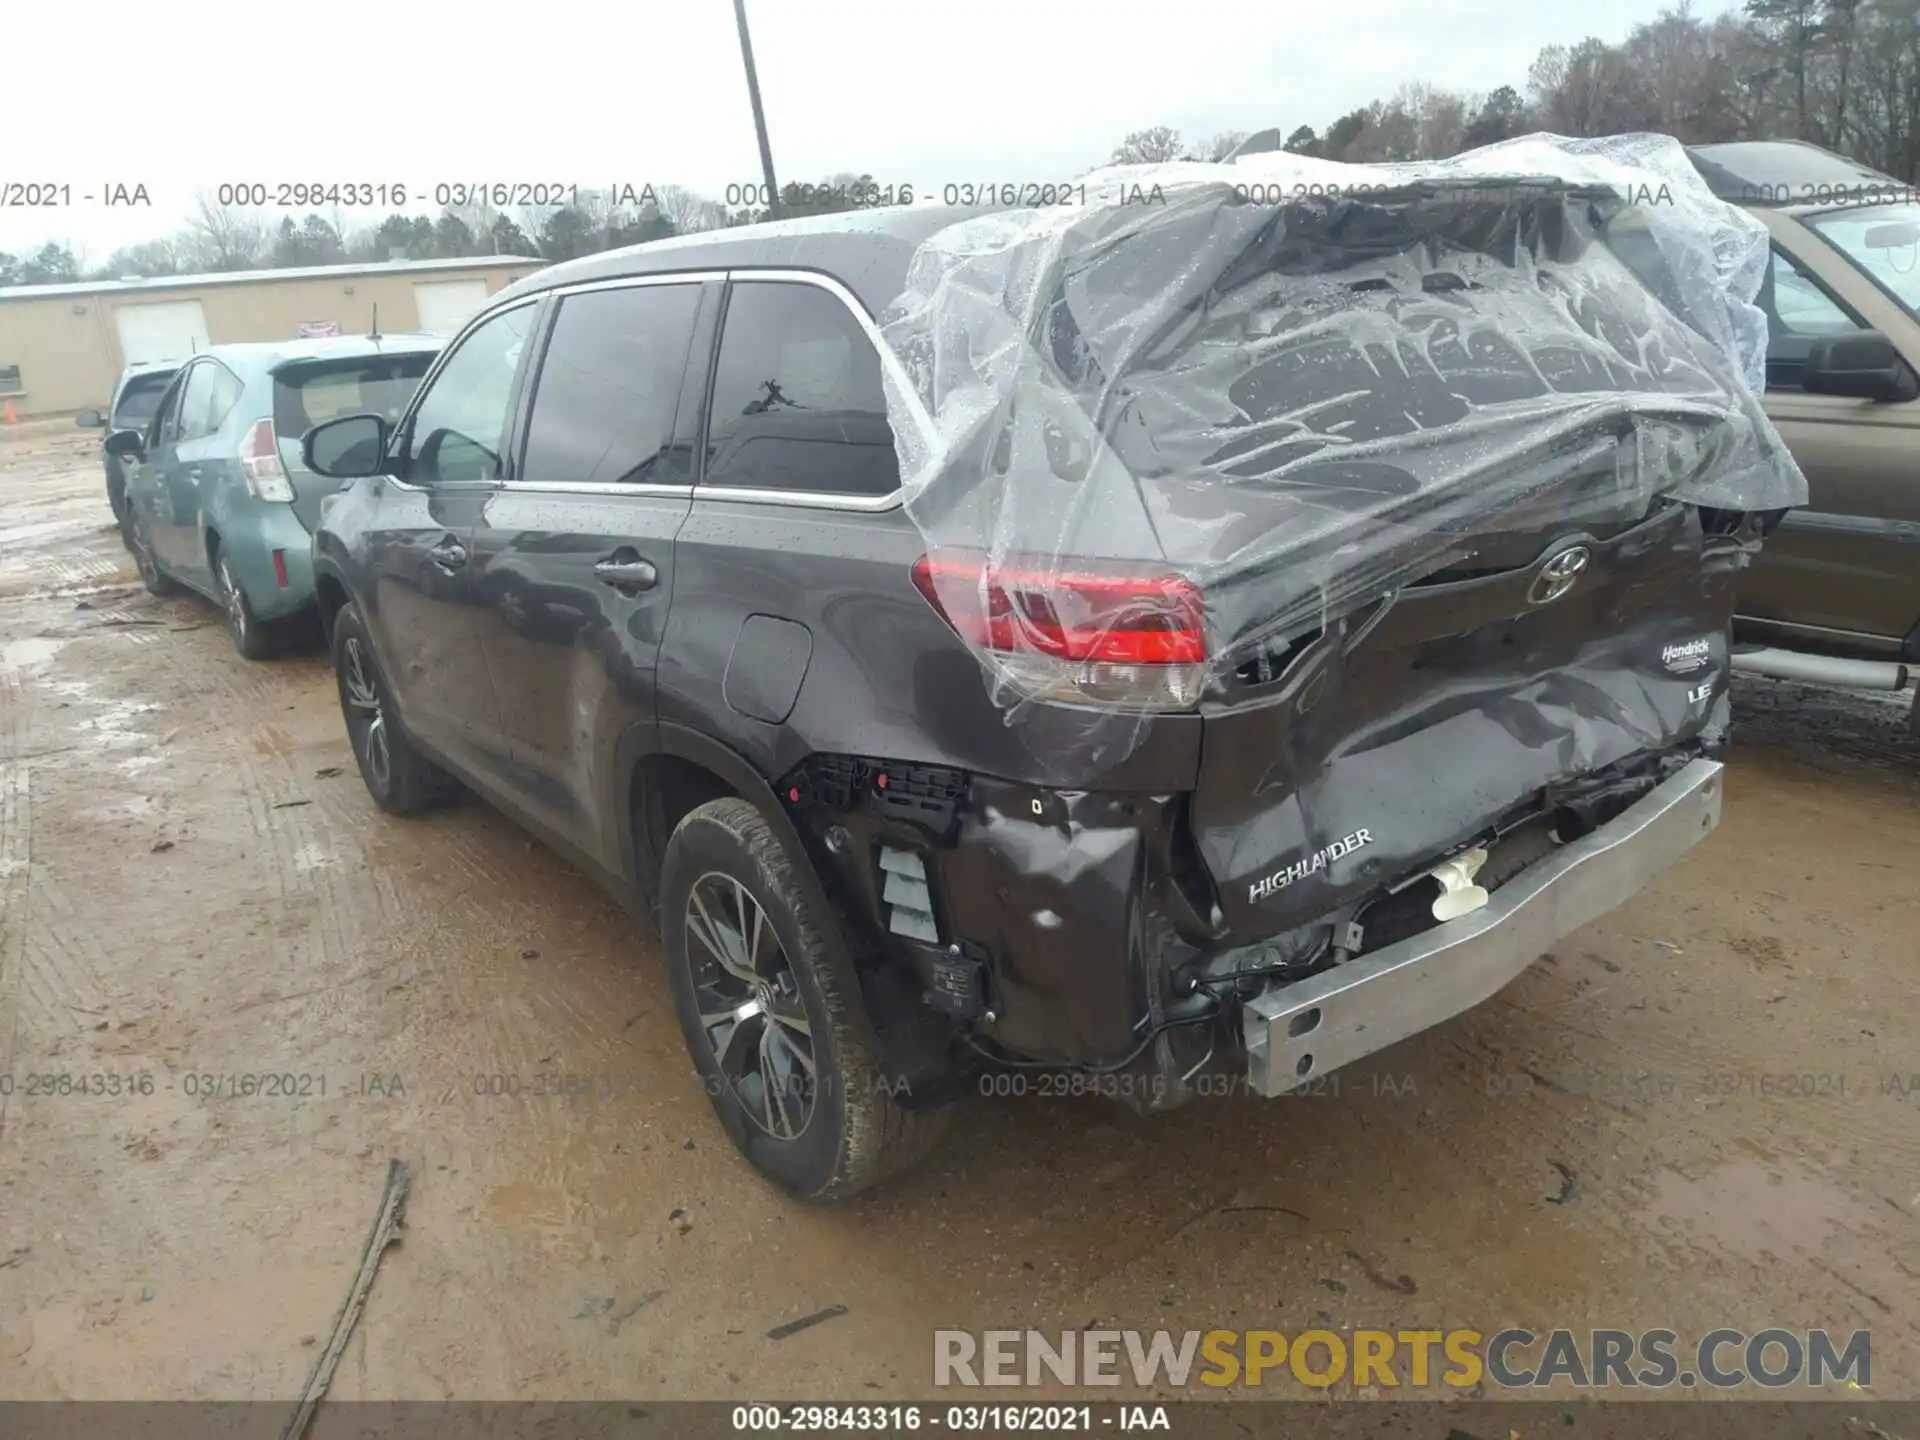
195	884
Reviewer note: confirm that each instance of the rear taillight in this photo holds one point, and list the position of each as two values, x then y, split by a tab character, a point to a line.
260	464
1083	635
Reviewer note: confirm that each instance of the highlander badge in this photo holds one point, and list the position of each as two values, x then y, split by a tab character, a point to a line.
1307	865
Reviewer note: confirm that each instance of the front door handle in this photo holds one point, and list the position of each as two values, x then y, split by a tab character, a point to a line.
449	555
625	570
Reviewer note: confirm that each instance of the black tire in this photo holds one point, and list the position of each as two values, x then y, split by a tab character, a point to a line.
855	1131
117	501
251	636
400	779
157	581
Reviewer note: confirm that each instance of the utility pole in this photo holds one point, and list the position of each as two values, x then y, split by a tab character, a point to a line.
759	115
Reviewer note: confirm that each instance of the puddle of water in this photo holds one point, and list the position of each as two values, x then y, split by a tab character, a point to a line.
312	857
113	725
20	654
13	534
1755	1209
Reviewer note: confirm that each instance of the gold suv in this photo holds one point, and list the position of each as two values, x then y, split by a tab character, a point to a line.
1835	593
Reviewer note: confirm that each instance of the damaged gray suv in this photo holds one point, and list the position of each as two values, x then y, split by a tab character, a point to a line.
1014	740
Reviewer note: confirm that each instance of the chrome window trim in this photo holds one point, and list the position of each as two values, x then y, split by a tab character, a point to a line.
440	363
632	282
599	487
590	487
811	499
824	499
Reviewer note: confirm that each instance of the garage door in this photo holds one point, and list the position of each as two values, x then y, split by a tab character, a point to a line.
164	330
446	305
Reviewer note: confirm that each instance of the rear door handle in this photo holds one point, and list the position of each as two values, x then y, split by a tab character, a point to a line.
449	555
625	570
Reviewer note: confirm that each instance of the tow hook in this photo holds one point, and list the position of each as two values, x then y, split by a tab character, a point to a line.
1458	894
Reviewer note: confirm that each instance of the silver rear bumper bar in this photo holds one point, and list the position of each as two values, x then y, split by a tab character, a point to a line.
1306	1029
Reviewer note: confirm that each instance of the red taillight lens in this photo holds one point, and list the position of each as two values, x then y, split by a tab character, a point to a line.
260	463
1078	634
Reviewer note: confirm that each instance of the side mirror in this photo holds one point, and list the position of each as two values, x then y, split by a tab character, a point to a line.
1863	365
126	444
347	448
90	420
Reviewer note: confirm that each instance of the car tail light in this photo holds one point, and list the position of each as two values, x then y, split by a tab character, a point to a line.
1084	636
260	463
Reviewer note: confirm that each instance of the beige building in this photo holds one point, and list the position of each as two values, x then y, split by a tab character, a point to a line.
62	347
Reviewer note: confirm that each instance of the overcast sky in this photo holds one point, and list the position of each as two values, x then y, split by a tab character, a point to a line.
583	92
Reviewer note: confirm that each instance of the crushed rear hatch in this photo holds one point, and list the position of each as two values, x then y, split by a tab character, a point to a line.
1462	500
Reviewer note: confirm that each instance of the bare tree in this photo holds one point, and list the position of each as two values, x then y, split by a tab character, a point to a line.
1439	118
687	211
1149	147
147	259
1841	31
1883	115
1587	89
1794	27
224	237
1218	147
1686	74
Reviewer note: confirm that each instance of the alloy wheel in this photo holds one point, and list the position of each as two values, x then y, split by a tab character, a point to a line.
750	1005
236	603
366	718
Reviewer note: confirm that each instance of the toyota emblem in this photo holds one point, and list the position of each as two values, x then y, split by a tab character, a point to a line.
1558	575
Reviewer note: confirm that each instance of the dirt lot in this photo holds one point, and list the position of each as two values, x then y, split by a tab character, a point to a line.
195	884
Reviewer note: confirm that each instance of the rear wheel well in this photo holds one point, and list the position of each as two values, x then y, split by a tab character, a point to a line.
331	597
912	1042
664	789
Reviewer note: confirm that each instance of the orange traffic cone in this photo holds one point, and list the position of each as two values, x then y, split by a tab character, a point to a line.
12	419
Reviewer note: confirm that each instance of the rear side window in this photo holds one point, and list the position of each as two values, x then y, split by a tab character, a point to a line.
223	396
609	386
196	401
309	392
140	400
797	399
210	393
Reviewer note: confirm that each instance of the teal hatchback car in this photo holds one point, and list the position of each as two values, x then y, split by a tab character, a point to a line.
219	501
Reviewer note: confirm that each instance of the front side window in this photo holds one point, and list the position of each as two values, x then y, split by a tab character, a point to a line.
609	386
797	399
1799	312
455	434
166	425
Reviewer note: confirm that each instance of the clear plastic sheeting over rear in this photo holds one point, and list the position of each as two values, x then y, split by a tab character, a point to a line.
1218	406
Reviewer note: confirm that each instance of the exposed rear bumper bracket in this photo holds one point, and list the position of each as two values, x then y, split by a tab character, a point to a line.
1306	1029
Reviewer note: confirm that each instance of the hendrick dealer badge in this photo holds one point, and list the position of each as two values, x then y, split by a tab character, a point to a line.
1683	657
